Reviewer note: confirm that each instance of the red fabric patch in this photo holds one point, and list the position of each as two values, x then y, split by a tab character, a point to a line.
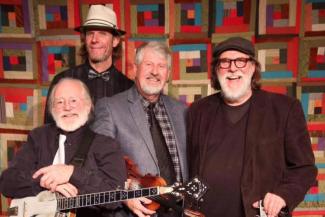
233	21
321	12
16	95
320	58
50	62
151	29
313	190
13	60
147	15
186	28
277	15
1	64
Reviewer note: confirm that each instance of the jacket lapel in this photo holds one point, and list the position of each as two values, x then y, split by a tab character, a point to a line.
254	124
140	119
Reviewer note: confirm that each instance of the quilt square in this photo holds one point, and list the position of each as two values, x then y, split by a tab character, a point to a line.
191	61
189	17
18	61
20	108
278	17
15	18
56	17
233	16
313	102
312	59
314	17
278	58
57	56
145	18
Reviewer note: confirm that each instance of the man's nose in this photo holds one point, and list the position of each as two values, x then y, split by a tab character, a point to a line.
67	106
232	66
94	37
155	69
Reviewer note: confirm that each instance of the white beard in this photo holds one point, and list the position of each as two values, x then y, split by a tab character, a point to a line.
72	126
235	94
151	90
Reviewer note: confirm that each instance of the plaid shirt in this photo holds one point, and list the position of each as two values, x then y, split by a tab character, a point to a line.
166	127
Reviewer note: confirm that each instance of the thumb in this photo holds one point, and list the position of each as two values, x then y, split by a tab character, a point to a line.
255	205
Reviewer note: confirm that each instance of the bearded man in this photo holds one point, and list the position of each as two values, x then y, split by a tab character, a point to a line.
249	145
44	161
149	125
100	47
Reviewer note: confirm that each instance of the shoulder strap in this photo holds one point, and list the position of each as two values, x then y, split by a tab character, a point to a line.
80	156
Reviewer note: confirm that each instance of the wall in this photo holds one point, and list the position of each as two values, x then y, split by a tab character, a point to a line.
37	41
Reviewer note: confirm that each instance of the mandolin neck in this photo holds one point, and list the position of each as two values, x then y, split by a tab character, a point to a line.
107	197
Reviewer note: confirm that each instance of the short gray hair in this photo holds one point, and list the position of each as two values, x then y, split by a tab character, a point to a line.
159	47
85	92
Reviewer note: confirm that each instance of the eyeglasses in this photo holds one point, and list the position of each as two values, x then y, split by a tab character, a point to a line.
61	102
225	63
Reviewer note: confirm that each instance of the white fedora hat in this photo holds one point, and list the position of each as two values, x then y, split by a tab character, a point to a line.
101	17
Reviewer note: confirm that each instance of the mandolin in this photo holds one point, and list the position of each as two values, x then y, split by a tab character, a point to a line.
193	190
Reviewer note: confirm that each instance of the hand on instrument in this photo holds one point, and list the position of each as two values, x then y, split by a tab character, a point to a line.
67	190
272	204
137	207
54	175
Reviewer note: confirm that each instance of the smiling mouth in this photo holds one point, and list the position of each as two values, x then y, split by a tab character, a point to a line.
69	115
233	78
153	79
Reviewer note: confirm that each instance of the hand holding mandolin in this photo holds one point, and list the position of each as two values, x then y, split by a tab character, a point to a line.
144	207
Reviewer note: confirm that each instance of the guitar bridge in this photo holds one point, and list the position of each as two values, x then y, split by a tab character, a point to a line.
13	211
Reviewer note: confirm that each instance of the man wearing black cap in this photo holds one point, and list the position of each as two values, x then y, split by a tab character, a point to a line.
247	144
101	45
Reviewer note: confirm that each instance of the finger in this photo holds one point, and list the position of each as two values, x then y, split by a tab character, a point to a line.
255	205
39	172
266	202
43	180
63	191
138	213
145	210
72	189
271	211
145	200
52	187
46	180
136	207
275	207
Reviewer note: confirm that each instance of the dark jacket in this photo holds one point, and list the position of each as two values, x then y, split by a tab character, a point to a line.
103	170
278	157
98	88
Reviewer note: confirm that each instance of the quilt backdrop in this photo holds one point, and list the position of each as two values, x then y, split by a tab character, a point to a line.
37	41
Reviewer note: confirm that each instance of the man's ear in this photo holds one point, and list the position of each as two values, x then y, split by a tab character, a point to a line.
116	41
168	76
134	67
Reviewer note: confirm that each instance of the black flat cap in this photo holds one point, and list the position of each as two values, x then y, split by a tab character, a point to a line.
235	43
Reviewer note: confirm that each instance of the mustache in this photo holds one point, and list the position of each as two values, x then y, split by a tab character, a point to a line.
151	76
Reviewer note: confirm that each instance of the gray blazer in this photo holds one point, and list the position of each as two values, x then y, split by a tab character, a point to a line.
123	118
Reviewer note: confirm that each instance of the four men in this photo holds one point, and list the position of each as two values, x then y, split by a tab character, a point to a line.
45	161
101	44
247	144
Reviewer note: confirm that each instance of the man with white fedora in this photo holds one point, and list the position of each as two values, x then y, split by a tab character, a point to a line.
100	37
